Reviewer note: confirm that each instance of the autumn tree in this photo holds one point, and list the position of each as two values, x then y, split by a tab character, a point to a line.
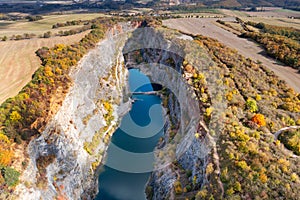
6	153
259	119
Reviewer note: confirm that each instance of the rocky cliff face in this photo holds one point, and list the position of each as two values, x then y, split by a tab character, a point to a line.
161	57
64	159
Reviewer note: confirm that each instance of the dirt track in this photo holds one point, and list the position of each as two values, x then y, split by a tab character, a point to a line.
245	47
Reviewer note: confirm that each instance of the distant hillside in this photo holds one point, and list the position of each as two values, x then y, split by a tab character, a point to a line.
44	6
245	3
226	3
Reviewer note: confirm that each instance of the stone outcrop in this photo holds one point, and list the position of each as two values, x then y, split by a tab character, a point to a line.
161	58
64	158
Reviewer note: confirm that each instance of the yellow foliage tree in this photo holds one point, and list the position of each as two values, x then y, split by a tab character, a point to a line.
107	106
208	111
178	187
209	168
3	139
15	116
48	71
263	177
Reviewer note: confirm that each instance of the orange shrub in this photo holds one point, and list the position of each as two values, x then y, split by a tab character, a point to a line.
259	119
263	177
5	157
5	153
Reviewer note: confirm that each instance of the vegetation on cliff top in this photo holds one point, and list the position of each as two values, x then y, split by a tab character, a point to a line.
291	138
26	114
253	165
281	43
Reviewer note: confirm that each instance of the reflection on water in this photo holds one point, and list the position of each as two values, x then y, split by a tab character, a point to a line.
129	157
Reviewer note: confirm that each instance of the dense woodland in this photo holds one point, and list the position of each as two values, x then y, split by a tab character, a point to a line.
25	115
253	164
288	32
281	43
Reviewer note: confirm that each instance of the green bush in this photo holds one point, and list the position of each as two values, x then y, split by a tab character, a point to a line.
291	139
188	188
251	105
189	173
11	176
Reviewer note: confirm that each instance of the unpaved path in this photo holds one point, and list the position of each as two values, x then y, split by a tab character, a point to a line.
249	49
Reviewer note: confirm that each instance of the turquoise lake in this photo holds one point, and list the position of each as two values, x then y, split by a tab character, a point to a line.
130	158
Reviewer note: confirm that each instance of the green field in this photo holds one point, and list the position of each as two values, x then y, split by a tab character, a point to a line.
9	28
271	16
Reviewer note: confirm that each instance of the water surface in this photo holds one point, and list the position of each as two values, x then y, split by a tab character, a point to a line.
129	158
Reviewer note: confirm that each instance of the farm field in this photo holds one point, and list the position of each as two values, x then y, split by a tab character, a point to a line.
9	28
268	12
272	16
285	22
201	15
247	48
18	61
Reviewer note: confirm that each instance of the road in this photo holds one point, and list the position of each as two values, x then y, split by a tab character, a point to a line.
244	46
